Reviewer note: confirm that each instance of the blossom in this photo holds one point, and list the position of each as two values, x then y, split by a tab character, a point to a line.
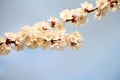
11	36
40	41
42	27
99	13
75	40
81	18
38	35
45	44
53	21
19	46
60	27
43	34
1	39
26	32
58	42
29	37
67	14
86	5
4	49
102	3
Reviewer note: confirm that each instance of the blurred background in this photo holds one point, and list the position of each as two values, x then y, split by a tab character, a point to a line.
98	59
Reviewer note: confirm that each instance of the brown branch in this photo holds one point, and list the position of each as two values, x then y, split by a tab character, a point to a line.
92	10
8	41
73	19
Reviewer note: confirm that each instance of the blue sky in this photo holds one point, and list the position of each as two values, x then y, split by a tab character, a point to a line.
98	59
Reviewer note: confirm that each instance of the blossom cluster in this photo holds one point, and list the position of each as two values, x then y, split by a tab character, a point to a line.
40	35
53	34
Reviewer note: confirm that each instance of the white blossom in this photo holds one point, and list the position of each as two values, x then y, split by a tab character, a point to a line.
40	41
102	8
99	13
59	42
45	44
60	27
54	19
11	36
19	47
4	49
2	40
29	37
82	17
75	40
42	27
80	20
102	3
86	5
66	14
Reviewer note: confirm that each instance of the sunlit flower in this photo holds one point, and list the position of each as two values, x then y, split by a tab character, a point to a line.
99	13
86	5
58	42
45	44
53	21
40	41
11	36
48	36
80	20
19	46
82	17
2	40
66	14
26	31
42	27
4	49
75	40
60	27
102	3
29	37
